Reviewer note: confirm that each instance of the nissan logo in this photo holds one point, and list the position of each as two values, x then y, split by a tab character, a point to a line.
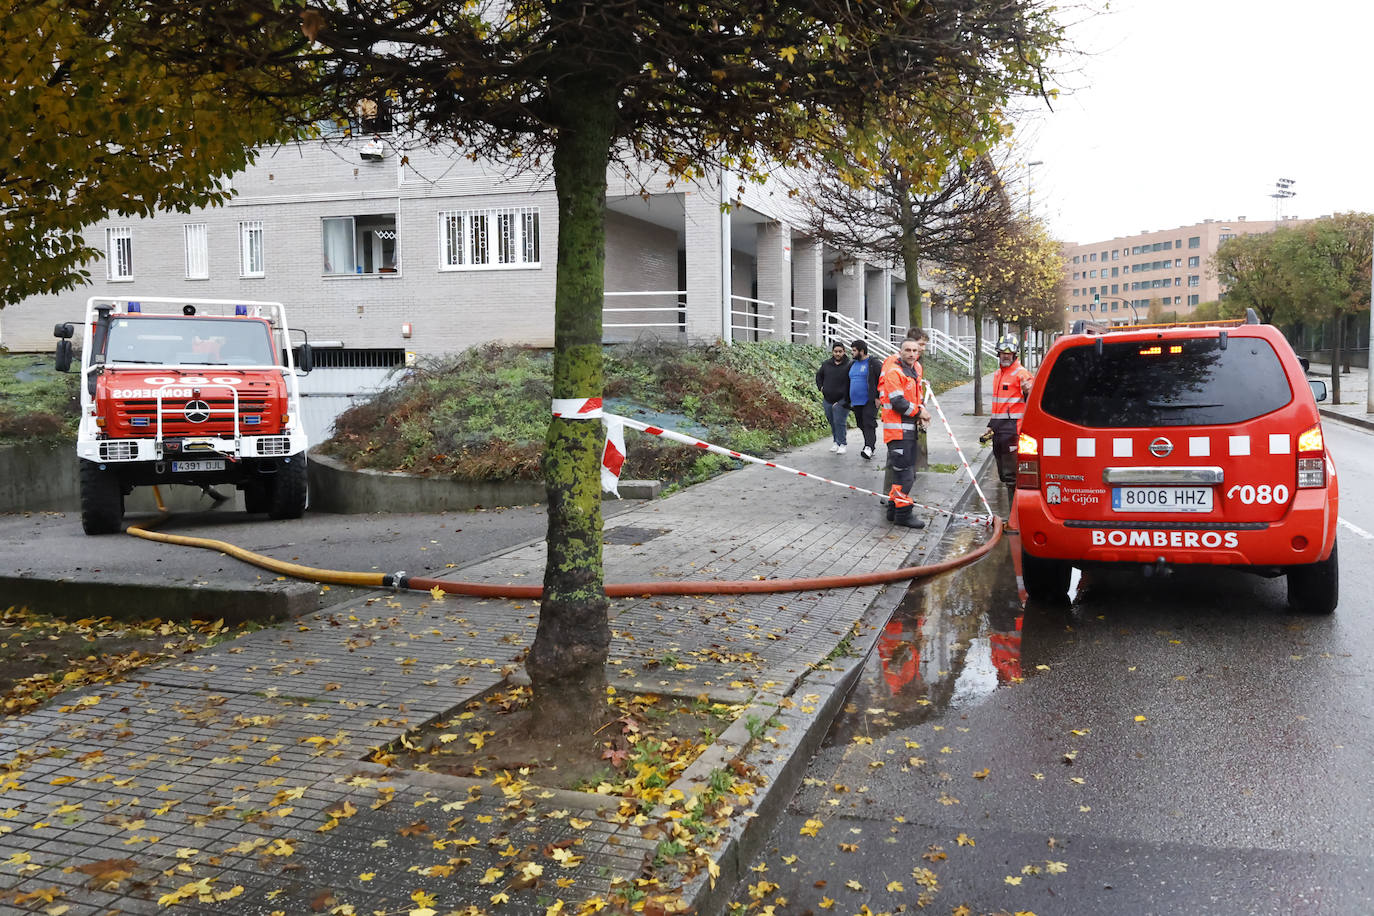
1160	448
199	412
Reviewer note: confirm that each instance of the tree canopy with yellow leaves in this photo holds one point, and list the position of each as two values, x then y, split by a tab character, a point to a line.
95	127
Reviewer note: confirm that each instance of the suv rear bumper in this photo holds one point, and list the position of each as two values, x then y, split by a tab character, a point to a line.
1305	534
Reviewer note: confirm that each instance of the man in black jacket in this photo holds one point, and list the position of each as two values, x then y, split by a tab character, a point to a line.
832	378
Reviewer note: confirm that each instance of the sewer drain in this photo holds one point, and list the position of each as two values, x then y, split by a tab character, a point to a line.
628	534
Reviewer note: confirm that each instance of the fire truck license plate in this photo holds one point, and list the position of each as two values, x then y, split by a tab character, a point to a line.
202	465
1162	499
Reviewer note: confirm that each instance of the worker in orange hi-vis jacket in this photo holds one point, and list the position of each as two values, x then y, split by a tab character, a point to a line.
899	395
1011	385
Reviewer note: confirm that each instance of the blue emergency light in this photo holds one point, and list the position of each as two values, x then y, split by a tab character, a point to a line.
135	307
241	310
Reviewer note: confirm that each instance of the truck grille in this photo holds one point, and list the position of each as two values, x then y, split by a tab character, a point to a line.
274	445
119	450
219	418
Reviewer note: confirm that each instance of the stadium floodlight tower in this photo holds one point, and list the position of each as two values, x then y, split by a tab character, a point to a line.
1283	189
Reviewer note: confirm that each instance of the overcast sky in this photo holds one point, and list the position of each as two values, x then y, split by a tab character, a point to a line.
1183	110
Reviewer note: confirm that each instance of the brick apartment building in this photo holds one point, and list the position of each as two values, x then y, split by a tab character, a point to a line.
1117	280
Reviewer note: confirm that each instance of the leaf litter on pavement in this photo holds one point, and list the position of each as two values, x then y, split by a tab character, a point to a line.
285	706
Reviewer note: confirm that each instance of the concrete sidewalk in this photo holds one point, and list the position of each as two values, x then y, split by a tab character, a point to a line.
235	780
1354	407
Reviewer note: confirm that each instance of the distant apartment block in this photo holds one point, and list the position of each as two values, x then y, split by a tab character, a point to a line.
1168	266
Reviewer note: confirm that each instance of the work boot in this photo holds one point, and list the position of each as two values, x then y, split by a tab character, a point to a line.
889	510
902	519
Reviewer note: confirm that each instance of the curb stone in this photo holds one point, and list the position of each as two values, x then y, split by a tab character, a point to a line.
798	742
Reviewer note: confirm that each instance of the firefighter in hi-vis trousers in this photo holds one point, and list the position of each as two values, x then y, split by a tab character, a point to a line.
899	394
1011	384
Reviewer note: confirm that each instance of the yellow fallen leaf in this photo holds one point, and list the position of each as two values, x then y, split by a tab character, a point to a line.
1056	868
1012	880
853	885
811	827
964	839
367	876
895	887
1141	719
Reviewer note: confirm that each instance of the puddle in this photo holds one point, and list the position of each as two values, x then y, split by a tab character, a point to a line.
952	641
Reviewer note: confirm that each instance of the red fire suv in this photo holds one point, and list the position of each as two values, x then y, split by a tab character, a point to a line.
1164	445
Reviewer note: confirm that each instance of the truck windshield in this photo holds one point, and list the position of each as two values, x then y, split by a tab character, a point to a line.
1170	382
191	341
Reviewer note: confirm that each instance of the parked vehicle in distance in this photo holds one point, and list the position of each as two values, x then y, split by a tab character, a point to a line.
187	391
1177	444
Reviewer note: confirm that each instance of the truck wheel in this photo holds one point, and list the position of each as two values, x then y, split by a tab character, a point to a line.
255	497
286	490
1316	587
1045	580
102	500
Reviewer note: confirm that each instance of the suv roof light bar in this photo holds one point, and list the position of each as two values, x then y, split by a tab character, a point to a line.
1082	326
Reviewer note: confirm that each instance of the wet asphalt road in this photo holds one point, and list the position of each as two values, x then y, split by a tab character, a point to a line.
1175	745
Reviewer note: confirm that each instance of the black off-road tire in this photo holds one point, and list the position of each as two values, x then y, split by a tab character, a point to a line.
102	500
255	497
1045	580
287	489
1316	587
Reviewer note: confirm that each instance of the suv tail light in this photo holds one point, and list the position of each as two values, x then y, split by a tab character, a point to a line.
1027	463
1311	458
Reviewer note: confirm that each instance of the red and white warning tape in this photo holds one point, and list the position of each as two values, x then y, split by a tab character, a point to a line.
930	396
613	456
577	408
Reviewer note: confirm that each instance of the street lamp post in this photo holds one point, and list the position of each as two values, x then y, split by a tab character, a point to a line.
1134	313
1030	184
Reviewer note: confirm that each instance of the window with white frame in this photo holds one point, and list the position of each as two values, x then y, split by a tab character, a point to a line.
488	238
119	253
355	245
251	262
197	252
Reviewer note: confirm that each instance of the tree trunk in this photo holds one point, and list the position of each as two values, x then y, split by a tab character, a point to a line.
1336	342
566	663
911	262
977	360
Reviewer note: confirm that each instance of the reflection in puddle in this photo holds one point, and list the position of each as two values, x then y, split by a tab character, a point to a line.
951	642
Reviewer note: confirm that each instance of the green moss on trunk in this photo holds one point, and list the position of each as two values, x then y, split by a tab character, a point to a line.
566	661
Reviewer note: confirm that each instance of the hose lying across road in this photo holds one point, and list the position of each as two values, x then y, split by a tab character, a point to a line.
613	589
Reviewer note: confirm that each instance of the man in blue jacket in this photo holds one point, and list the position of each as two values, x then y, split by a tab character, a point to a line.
864	373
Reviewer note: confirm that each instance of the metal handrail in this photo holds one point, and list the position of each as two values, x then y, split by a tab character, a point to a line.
940	342
677	309
846	329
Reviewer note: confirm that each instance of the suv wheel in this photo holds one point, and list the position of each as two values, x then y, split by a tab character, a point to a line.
102	500
1316	587
1045	580
286	491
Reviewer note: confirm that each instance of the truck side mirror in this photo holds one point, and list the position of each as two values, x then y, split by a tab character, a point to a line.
62	359
306	362
63	331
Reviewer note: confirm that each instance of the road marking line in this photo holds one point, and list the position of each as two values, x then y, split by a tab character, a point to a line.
1357	529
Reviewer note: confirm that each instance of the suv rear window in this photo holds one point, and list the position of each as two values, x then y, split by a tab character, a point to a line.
1178	382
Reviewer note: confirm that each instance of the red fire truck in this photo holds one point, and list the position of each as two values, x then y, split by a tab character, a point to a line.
187	391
